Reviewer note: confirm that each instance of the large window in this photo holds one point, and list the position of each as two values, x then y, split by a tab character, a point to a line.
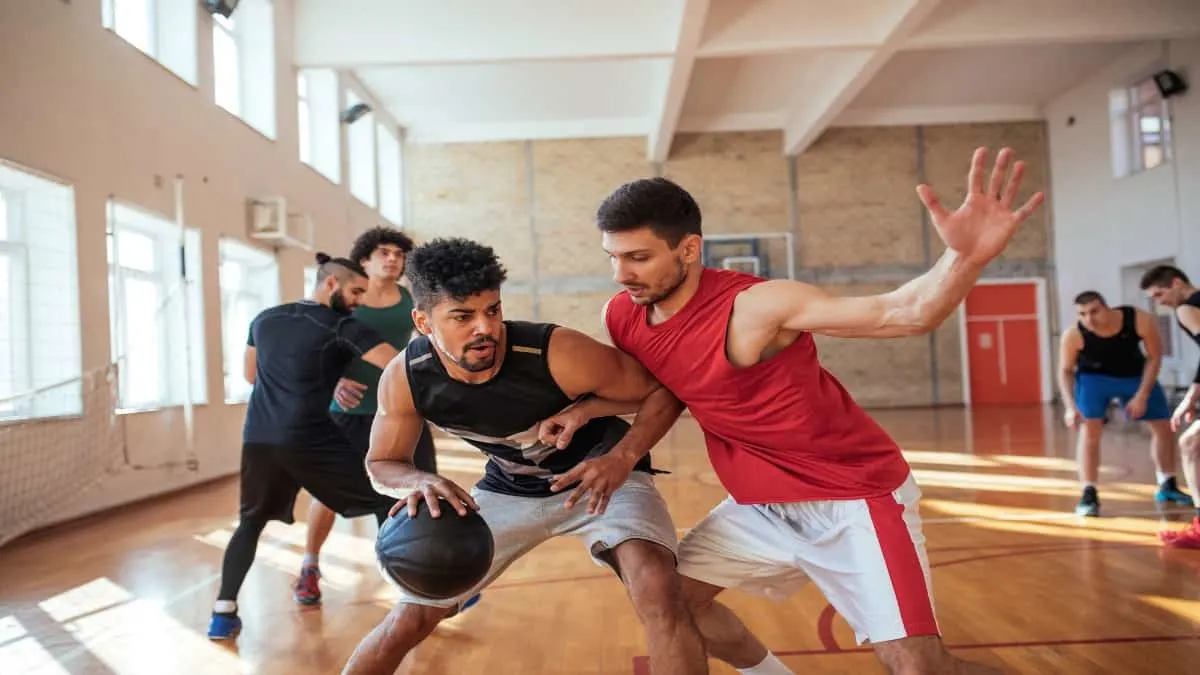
39	297
156	306
1141	128
244	63
361	141
390	192
165	30
249	280
227	70
304	123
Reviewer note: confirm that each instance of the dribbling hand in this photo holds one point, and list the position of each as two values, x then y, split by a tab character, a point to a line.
431	490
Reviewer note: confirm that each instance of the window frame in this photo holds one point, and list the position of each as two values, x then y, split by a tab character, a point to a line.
15	248
166	246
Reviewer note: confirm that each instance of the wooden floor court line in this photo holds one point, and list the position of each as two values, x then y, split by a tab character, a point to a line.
641	664
828	639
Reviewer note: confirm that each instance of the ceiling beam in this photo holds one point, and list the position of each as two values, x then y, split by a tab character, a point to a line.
985	24
691	27
1018	22
904	116
816	112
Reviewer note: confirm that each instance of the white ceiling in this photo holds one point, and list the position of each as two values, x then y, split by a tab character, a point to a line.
481	70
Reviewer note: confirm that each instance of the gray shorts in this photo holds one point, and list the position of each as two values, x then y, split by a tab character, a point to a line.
635	511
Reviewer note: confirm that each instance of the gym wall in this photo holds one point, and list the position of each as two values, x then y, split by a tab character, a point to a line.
850	202
83	106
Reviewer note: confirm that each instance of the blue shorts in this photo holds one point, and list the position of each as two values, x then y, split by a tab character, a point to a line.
1093	392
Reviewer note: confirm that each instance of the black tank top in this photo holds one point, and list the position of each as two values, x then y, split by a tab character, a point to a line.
1194	301
1119	355
500	417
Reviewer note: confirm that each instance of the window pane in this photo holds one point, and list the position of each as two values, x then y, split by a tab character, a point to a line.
136	251
143	361
7	376
301	86
131	20
305	129
3	217
226	69
1152	156
1150	124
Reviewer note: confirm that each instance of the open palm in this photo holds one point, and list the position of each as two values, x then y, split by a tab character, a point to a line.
985	223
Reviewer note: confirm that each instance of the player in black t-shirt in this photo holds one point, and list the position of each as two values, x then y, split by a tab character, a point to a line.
295	354
1170	287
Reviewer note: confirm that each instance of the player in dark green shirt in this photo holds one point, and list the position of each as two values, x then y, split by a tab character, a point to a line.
386	307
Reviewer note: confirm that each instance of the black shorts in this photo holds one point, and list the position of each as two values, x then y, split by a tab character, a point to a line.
357	428
272	475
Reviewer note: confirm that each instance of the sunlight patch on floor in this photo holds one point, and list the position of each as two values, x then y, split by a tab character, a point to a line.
333	575
1187	609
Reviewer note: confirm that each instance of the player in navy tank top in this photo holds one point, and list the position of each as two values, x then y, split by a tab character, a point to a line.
817	490
1100	359
510	389
1169	286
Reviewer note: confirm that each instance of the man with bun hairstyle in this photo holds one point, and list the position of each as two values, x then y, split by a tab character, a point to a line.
295	353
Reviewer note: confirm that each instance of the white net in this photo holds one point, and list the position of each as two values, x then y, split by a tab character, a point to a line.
55	443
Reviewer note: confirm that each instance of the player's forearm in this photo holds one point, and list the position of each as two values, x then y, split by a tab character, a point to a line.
1066	388
922	304
1149	376
598	406
655	417
394	477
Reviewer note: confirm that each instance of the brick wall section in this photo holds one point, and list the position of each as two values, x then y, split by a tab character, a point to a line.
857	204
853	211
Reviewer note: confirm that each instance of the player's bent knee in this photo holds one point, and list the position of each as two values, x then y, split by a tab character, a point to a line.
649	572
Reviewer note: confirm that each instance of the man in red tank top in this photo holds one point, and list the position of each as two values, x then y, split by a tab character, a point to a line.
817	490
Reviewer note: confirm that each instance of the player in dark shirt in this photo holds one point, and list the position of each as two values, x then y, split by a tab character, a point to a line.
1169	286
295	354
1101	359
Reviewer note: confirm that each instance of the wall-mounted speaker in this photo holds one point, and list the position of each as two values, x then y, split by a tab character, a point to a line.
222	7
1169	83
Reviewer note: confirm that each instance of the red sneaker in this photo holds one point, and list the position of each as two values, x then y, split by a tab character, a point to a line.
307	591
1189	537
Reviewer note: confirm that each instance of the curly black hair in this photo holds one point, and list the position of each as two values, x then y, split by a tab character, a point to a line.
375	237
454	268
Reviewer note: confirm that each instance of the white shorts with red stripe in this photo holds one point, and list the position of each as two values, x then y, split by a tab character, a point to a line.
866	555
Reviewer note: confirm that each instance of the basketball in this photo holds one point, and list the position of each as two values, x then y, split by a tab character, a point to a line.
435	558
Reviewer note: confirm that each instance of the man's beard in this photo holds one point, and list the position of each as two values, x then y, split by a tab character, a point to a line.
337	302
482	364
656	298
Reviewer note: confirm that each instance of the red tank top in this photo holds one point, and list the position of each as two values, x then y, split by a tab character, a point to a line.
782	430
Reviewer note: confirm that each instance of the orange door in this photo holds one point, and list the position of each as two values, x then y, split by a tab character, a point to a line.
1003	347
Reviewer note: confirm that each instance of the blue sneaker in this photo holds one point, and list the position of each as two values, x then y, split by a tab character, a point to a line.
1089	504
470	602
1173	495
224	626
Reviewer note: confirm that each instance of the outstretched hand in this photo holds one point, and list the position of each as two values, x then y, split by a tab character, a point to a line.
985	223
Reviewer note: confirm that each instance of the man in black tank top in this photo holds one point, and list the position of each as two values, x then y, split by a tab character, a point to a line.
494	383
1101	359
1169	286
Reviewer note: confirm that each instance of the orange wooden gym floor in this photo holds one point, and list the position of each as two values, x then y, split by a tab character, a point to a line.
1020	582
